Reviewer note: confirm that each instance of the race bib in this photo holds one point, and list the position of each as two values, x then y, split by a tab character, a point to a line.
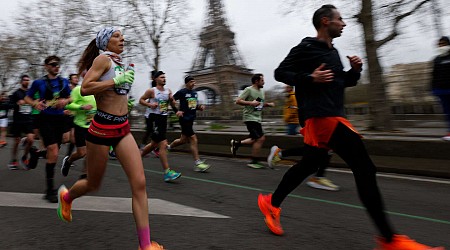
124	88
163	106
192	103
260	106
25	109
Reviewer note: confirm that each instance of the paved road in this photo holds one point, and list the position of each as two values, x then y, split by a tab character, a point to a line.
215	210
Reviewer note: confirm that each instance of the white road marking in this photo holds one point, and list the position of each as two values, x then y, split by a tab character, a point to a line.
386	175
397	176
105	204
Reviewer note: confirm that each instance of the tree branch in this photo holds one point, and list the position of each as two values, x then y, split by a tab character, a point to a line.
397	21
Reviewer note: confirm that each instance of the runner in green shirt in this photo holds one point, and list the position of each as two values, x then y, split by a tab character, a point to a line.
252	98
84	109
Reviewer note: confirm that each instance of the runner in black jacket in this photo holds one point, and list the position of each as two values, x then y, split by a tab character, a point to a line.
315	68
323	99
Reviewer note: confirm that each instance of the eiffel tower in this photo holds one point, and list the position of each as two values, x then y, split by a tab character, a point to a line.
218	68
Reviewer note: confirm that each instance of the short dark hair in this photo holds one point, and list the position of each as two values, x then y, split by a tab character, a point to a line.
23	76
52	58
72	75
158	74
324	11
188	78
256	77
445	39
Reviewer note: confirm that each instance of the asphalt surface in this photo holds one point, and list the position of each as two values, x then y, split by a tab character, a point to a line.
226	195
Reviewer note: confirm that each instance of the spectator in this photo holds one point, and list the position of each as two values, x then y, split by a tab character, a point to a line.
290	111
440	83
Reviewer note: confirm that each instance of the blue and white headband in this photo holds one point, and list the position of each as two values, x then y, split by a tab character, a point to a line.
103	37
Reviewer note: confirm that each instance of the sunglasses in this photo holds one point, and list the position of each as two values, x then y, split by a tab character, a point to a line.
53	64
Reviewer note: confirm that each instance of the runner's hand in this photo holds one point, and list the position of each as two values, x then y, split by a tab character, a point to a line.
126	77
130	104
355	63
180	113
87	107
322	75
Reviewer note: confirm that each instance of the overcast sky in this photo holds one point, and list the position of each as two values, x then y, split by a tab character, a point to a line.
264	36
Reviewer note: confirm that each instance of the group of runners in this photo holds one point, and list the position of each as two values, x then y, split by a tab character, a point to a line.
101	108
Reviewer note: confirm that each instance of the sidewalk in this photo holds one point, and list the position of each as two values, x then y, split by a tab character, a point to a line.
415	151
274	129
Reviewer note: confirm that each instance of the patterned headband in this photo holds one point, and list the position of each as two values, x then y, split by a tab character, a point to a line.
103	37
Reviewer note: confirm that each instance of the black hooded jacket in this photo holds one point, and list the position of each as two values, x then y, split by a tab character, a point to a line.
316	99
441	72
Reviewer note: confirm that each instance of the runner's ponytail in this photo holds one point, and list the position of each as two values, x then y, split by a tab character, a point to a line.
86	60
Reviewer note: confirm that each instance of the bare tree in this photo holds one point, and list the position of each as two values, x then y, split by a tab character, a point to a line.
437	16
381	22
11	61
380	109
158	27
55	27
153	28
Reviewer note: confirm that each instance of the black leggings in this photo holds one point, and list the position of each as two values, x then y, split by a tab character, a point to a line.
349	146
299	151
148	130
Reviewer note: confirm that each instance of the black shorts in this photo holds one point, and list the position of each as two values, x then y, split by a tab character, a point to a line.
80	136
107	129
51	128
69	123
17	129
187	127
255	130
157	126
36	121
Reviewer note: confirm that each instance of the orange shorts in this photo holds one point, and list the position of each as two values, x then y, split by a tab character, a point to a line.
318	130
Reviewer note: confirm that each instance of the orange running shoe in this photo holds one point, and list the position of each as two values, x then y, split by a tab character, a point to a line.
64	208
403	242
153	246
271	213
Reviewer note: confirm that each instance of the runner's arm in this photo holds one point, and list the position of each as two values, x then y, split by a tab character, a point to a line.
91	85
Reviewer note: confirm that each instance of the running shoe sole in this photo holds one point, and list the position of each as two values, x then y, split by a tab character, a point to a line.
59	210
233	147
202	170
273	149
255	166
318	186
172	179
266	212
64	169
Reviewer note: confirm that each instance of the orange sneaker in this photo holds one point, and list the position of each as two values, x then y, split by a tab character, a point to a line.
64	208
271	213
153	246
402	242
